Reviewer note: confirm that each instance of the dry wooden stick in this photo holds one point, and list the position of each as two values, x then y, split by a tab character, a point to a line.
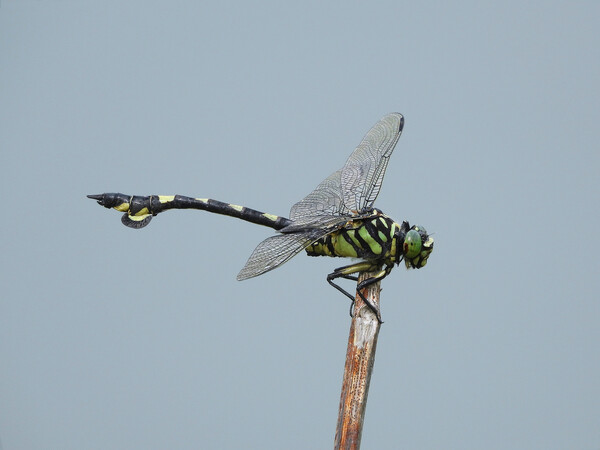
360	357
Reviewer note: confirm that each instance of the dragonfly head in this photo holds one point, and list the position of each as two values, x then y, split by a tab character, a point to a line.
417	245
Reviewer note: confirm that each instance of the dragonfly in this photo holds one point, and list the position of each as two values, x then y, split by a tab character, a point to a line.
337	219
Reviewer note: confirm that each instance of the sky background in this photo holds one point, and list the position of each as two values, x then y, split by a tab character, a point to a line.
112	338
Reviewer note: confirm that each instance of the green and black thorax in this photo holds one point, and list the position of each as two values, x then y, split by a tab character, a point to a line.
377	238
374	237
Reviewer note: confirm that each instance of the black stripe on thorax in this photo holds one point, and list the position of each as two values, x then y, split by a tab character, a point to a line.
358	249
329	244
373	227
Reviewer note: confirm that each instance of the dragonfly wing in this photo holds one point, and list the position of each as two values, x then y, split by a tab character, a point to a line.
276	250
325	200
362	175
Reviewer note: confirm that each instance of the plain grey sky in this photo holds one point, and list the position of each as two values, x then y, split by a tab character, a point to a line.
112	338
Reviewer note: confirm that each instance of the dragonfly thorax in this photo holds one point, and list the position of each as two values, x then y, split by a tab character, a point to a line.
375	237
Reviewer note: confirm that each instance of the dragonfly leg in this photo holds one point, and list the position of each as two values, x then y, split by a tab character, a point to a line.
347	272
374	279
369	281
350	277
330	279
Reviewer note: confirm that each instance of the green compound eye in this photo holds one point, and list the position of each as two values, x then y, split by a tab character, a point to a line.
412	244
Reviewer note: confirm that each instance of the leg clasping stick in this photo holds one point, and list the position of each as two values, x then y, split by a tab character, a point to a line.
347	272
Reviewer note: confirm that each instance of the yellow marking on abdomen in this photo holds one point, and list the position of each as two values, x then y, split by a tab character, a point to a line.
123	207
271	217
203	200
236	207
166	198
138	218
142	212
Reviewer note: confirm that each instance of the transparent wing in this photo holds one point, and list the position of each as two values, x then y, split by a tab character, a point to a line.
275	250
348	190
362	175
339	197
325	203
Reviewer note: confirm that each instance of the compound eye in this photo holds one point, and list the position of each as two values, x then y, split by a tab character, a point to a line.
412	244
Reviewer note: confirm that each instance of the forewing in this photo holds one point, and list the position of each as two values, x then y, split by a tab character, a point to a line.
362	175
275	250
323	203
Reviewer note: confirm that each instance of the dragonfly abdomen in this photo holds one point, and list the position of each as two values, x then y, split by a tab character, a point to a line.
140	209
371	239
